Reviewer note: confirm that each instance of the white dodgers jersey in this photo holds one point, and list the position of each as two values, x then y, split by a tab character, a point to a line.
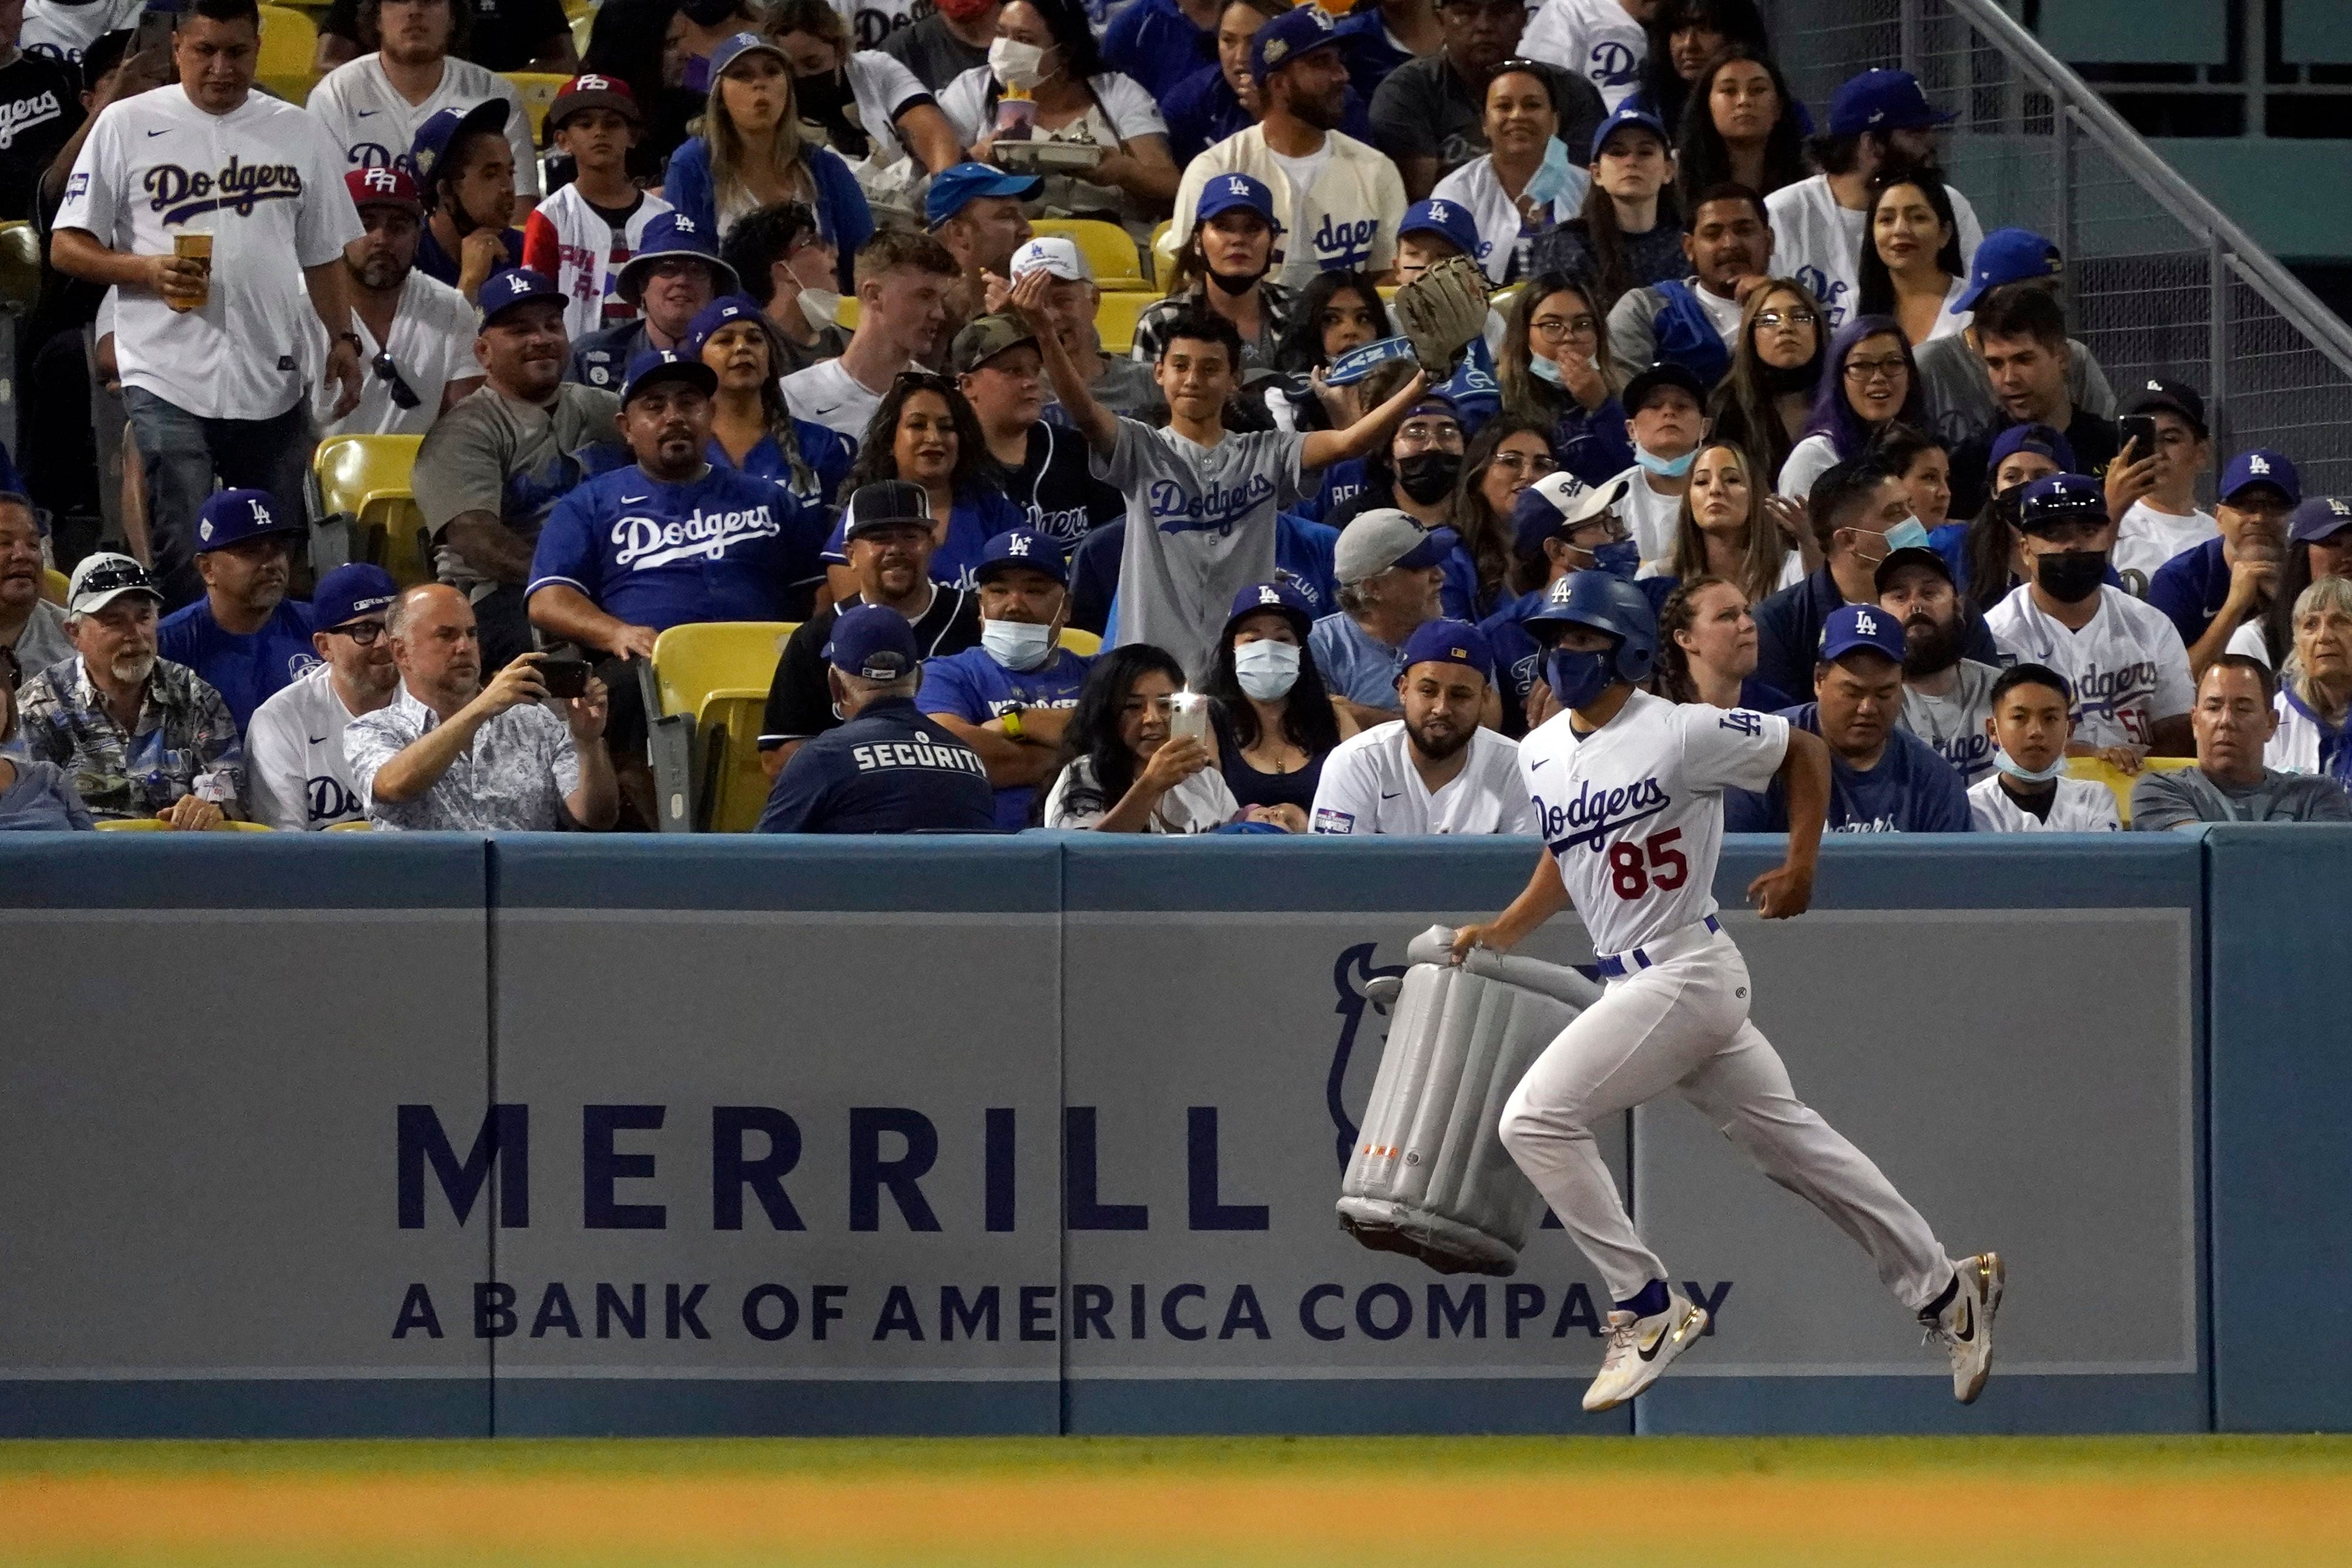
2127	666
1633	810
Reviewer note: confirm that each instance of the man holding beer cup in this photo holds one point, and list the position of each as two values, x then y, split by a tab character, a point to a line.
214	211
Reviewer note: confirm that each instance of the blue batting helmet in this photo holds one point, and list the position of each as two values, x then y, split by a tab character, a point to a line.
1605	603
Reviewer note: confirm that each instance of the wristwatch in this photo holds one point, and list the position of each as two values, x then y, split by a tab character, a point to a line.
1011	720
350	338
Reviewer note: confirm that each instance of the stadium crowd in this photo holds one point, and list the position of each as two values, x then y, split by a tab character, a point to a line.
757	328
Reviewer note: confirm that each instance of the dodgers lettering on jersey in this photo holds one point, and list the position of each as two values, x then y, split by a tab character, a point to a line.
721	548
176	195
642	542
1340	245
1215	510
20	115
1831	293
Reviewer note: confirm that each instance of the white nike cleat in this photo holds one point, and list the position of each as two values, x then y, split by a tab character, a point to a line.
1640	1349
1965	1325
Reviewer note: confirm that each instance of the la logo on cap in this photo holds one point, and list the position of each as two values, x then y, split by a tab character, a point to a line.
1267	595
2258	464
261	514
1865	625
1438	212
683	225
1017	545
2339	508
1237	186
518	283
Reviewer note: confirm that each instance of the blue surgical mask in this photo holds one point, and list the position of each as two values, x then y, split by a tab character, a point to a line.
1543	369
2000	759
1553	178
1909	534
1618	558
1016	644
1577	679
1666	467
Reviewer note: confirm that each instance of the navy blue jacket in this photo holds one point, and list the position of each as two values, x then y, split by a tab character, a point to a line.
889	770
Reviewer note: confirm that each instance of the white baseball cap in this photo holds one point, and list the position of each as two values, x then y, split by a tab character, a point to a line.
103	578
1057	256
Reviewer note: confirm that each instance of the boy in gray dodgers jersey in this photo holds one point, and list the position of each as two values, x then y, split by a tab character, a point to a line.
1201	503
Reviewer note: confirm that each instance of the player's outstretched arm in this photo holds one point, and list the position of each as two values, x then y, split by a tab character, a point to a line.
1543	897
1325	447
1787	889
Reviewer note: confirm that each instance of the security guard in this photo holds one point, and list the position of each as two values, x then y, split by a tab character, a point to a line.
887	769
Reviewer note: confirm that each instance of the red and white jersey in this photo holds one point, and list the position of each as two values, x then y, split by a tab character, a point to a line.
568	240
1633	811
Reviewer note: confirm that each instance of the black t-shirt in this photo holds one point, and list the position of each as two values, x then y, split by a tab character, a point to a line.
2094	440
629	41
799	705
507	33
40	106
1057	488
1425	110
1252	787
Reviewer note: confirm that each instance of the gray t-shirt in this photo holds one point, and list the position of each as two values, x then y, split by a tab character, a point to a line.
1200	528
1954	723
1425	110
935	54
1959	393
496	454
2189	795
43	640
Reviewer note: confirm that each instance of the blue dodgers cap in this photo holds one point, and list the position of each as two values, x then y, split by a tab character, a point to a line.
1882	100
1223	192
2319	517
657	366
1443	641
1278	596
502	291
2005	256
954	189
1450	220
1557	503
1020	547
673	236
1631	115
2061	498
350	592
2039	439
874	643
232	516
735	46
432	139
2260	467
1852	626
725	310
1361	360
1288	37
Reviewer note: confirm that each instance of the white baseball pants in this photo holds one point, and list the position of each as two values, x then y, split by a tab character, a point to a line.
1682	1024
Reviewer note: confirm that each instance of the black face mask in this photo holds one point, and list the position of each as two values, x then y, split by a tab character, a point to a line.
1427	477
1230	284
2071	576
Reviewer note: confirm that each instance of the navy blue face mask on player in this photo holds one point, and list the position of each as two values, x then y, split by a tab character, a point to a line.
1577	678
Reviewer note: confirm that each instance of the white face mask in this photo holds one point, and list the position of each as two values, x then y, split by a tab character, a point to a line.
1016	644
1015	64
1266	669
819	308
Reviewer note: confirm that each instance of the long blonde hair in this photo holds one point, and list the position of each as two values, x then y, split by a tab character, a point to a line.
1767	549
731	152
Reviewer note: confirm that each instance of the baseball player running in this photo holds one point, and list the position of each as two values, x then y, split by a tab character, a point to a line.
1628	791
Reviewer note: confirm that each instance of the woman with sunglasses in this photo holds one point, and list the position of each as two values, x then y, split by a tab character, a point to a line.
926	433
1870	382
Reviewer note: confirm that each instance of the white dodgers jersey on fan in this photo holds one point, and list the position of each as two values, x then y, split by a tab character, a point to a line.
1633	811
2127	666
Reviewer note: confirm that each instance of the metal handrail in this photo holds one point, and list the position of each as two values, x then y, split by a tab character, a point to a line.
2115	138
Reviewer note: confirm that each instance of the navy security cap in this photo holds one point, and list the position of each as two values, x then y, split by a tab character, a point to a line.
439	132
1557	503
2056	498
1442	642
1852	626
872	642
675	236
2039	439
723	311
2260	467
1631	116
1286	37
350	592
1020	547
1882	100
1223	192
1449	221
1278	596
232	516
517	285
2005	256
657	367
2319	517
956	188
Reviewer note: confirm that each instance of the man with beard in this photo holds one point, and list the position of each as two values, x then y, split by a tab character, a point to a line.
1389	567
465	171
1437	769
1430	114
2209	591
415	333
1946	698
493	466
672	275
448	754
1881	779
886	535
137	734
1002	374
296	777
1695	322
1337	201
2123	661
374	106
244	637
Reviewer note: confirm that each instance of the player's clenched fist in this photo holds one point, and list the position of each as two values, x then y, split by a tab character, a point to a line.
1785	891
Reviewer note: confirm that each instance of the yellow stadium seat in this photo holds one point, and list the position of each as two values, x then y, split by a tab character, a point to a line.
693	667
234	826
1165	242
54	584
584	22
20	265
290	41
368	479
1116	316
359	827
132	825
1109	250
846	316
538	89
733	787
2118	782
1078	642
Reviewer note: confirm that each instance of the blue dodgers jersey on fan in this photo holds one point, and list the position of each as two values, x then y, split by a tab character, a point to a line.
889	770
978	516
973	686
725	546
1912	791
827	452
248	670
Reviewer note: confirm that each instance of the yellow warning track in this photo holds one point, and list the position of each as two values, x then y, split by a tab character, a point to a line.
1237	1503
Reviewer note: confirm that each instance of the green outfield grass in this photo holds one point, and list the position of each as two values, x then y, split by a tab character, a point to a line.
1296	1502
